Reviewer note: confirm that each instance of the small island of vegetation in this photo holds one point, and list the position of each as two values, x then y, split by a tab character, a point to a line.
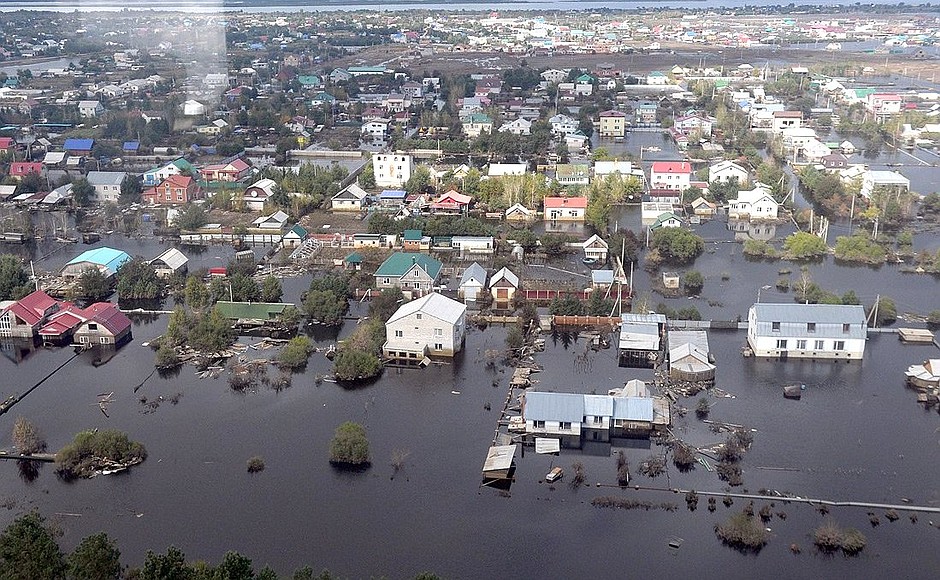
93	452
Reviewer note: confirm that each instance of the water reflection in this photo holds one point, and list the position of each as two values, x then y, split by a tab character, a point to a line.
28	469
746	230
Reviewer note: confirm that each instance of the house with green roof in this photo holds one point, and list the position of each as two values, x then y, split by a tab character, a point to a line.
179	166
295	236
353	261
415	241
413	272
666	220
309	81
477	124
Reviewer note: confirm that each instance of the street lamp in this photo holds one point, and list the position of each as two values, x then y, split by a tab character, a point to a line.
759	290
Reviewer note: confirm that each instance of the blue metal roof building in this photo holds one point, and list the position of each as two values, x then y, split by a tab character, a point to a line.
106	260
79	144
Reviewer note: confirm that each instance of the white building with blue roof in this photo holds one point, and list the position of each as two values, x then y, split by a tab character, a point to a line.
105	260
816	331
573	417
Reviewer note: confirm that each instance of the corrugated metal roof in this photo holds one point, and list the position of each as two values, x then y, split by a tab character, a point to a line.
507	274
108	257
499	457
639	336
173	258
598	406
399	263
793	319
697	338
633	409
542	406
635	317
254	310
474	272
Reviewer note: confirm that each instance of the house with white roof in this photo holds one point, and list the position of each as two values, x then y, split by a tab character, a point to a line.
169	262
501	169
472	283
624	168
275	221
503	286
350	198
563	124
883	180
519	126
433	325
725	171
754	204
817	331
257	194
107	184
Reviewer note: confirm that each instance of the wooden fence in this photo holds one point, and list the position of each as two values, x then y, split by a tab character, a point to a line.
609	321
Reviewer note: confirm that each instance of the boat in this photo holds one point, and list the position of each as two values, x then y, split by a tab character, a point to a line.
554	475
793	391
5	406
588	261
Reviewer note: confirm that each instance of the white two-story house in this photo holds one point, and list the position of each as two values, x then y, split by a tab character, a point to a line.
755	204
817	331
433	325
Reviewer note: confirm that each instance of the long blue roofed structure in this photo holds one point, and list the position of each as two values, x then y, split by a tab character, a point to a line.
106	260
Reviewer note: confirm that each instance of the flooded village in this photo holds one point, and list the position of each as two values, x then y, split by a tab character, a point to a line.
397	292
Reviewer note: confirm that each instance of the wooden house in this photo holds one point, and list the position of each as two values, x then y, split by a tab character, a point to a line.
472	283
503	287
23	318
170	262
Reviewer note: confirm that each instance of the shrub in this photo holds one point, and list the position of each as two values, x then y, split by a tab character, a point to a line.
27	438
759	249
743	532
853	541
515	338
166	356
859	248
296	353
653	466
349	445
933	319
804	245
90	449
256	464
353	365
683	457
693	282
828	537
702	408
730	472
887	311
677	245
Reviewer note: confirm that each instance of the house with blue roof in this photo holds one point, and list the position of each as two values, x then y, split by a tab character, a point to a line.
574	417
413	272
393	197
79	146
130	147
105	260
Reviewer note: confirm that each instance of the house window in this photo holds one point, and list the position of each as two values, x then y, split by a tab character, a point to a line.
819	344
845	328
418	316
438	332
385	281
438	346
782	343
775	326
565	426
810	327
416	273
598	420
801	345
838	345
417	285
92	326
539	424
103	339
399	334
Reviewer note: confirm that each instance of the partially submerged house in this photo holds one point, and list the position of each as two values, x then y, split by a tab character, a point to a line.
105	324
503	287
572	418
817	331
413	272
641	339
433	325
170	262
689	357
595	248
925	375
105	260
472	283
24	317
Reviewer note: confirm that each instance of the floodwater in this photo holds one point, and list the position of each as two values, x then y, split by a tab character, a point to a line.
856	434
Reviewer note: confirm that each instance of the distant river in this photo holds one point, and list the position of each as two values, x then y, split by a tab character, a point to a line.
209	6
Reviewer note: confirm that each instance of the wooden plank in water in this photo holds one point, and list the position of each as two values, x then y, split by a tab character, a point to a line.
915	335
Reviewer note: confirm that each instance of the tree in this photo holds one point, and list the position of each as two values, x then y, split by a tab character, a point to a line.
95	558
191	217
525	238
234	566
419	181
82	192
554	244
677	245
349	445
692	282
271	290
567	306
169	566
137	280
14	283
196	295
28	550
887	311
515	338
131	190
243	288
354	365
324	306
597	305
295	354
94	285
27	438
804	245
366	179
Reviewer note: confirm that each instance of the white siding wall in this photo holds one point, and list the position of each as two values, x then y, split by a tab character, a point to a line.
417	333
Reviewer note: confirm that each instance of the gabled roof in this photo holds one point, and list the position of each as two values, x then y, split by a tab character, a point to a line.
505	274
564	407
678	167
172	257
598	406
106	177
32	307
594	239
559	202
264	184
79	144
108	315
298	230
803	313
108	257
474	272
602	276
412	235
399	263
633	408
351	191
433	304
663	218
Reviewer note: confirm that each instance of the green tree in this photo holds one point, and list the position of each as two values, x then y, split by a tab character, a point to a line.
271	290
804	245
295	354
693	282
677	245
419	181
353	365
14	283
82	192
324	306
525	238
515	338
211	332
95	558
243	288
137	279
93	284
28	550
349	445
886	311
567	306
191	217
234	566
597	305
131	190
169	566
196	294
366	179
554	244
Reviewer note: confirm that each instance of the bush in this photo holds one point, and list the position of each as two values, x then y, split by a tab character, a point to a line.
295	354
828	537
730	472
653	466
256	464
27	438
325	306
92	450
759	249
702	408
887	311
349	445
743	532
859	248
933	319
683	457
804	245
515	338
693	282
677	245
853	541
166	356
567	306
353	365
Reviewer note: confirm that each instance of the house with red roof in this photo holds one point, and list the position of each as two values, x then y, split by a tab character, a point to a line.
24	317
452	202
61	325
230	171
7	144
20	169
565	209
671	175
174	190
882	105
105	324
